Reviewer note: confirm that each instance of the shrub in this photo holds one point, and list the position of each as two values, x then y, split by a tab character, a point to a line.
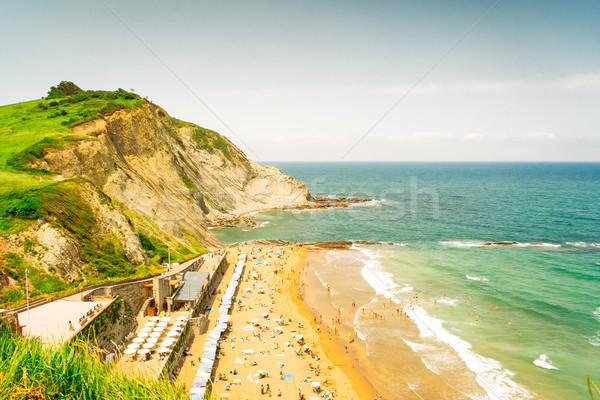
27	207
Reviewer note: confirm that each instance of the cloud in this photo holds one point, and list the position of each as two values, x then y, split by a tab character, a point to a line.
417	136
482	136
587	81
579	81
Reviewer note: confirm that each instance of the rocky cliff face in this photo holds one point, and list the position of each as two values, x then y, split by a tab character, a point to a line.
144	171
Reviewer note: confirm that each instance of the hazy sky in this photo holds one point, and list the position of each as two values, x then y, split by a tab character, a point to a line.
306	80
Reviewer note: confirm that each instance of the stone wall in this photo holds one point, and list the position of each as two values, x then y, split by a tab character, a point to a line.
110	328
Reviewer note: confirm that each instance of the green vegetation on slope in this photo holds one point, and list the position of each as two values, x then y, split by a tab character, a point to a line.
208	139
32	370
28	131
27	128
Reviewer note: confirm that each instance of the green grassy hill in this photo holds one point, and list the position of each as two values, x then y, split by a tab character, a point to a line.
28	130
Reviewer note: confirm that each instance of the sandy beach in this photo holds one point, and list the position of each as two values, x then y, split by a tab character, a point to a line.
275	346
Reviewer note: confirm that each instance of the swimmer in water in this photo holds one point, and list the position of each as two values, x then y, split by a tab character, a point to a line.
519	334
509	323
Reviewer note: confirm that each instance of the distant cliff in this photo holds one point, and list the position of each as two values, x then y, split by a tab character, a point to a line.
119	187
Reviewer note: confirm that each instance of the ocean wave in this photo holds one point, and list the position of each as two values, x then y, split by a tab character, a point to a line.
544	362
405	289
596	313
583	244
477	278
370	203
416	347
447	300
490	374
372	271
479	243
595	340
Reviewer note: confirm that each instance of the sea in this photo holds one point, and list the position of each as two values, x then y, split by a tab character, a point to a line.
484	284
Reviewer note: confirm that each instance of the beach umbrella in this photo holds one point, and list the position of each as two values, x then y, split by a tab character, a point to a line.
146	329
261	372
143	334
155	318
133	346
155	334
306	346
159	329
316	384
161	324
265	314
299	337
165	319
248	328
173	333
278	320
182	318
151	340
129	351
164	350
150	323
278	328
138	340
148	345
255	320
280	364
143	351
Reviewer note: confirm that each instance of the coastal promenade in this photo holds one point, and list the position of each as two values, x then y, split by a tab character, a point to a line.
59	320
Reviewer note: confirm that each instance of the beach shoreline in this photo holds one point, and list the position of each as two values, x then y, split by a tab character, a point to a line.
261	355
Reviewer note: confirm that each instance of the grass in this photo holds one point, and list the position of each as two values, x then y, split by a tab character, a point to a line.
28	131
209	139
31	370
27	128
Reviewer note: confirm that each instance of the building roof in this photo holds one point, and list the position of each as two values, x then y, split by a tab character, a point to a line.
192	285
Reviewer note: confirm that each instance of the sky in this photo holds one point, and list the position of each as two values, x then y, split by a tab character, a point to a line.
410	80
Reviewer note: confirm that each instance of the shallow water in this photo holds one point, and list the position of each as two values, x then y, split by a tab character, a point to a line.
465	291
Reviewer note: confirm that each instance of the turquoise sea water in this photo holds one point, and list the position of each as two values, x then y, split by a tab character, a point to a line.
547	284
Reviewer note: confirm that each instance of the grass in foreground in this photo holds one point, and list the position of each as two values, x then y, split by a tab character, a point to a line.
31	370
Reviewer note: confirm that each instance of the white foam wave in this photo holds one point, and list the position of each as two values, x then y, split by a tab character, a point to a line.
405	289
491	376
370	203
596	313
321	280
595	340
477	278
479	243
416	347
538	244
544	362
262	225
447	300
583	244
372	272
450	243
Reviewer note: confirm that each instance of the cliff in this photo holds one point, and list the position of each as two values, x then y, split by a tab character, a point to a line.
119	187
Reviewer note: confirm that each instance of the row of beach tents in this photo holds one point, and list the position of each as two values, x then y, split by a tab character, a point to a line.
207	360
